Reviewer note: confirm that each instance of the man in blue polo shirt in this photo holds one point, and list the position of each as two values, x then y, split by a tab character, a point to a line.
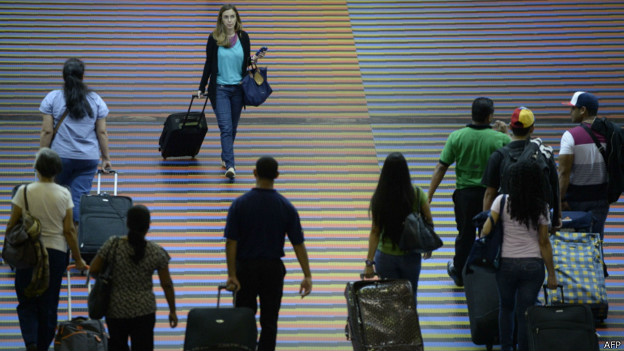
256	226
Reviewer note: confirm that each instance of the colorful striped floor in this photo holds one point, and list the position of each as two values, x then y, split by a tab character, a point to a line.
329	173
353	81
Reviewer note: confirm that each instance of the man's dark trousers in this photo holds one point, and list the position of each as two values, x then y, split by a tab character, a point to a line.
263	279
468	203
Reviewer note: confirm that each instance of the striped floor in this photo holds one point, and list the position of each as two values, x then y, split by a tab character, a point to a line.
329	173
353	81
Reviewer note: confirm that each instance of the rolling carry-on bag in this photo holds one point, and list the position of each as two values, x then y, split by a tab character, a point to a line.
224	329
561	327
483	305
578	264
183	133
382	316
80	333
101	217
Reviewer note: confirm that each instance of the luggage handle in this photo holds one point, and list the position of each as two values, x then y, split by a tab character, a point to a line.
69	301
99	173
189	109
560	287
224	287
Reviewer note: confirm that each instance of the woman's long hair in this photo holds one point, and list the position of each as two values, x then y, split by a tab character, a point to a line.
526	193
219	32
75	90
394	197
138	223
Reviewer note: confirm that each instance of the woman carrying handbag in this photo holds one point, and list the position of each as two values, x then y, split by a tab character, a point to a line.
394	199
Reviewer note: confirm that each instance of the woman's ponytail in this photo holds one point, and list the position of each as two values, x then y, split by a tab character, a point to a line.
75	90
138	224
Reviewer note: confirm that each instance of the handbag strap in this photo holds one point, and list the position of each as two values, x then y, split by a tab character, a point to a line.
26	198
59	124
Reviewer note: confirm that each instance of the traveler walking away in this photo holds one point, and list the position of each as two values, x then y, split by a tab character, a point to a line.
393	200
523	147
52	205
131	311
74	125
469	148
526	249
257	223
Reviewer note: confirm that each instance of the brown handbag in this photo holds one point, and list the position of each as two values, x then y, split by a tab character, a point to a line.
19	248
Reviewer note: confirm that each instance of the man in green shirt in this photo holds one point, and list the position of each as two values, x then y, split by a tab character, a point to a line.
469	148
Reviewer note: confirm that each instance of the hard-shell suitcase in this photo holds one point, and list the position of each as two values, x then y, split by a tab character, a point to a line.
483	305
101	217
561	327
578	264
183	133
231	329
382	316
80	333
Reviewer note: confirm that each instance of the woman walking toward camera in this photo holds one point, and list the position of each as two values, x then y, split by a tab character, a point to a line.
227	58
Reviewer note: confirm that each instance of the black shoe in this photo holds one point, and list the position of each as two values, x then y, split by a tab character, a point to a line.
450	269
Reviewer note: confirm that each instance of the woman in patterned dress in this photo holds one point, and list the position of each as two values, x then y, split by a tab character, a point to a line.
132	308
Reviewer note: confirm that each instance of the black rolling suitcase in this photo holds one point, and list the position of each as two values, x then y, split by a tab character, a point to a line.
80	333
223	329
101	216
561	327
183	133
483	305
382	316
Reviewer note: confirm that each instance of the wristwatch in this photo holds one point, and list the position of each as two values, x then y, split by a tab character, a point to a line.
369	263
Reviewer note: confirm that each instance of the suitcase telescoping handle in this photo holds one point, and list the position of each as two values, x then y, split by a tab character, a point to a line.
99	182
559	286
69	299
224	287
191	105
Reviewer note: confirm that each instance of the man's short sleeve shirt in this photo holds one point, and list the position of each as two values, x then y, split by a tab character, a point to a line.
470	148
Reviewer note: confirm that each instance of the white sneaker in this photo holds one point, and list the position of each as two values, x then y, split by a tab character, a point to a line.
230	173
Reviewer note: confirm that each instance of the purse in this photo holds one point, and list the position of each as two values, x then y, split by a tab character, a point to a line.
256	88
486	251
418	235
99	296
19	248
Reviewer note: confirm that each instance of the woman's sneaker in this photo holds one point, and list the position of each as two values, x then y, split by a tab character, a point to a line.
230	173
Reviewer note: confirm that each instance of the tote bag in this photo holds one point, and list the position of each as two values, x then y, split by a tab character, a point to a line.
99	297
256	88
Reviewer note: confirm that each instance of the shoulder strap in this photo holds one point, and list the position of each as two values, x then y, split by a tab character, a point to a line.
598	145
59	123
26	198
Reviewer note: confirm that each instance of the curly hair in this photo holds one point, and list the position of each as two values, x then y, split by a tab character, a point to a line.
75	90
526	193
393	198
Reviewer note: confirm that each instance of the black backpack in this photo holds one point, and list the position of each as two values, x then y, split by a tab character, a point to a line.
533	150
613	154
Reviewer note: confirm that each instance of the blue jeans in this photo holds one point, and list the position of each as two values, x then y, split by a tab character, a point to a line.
38	316
228	107
399	267
519	282
600	210
78	176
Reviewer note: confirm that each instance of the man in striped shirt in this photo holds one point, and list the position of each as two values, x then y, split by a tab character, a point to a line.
583	180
